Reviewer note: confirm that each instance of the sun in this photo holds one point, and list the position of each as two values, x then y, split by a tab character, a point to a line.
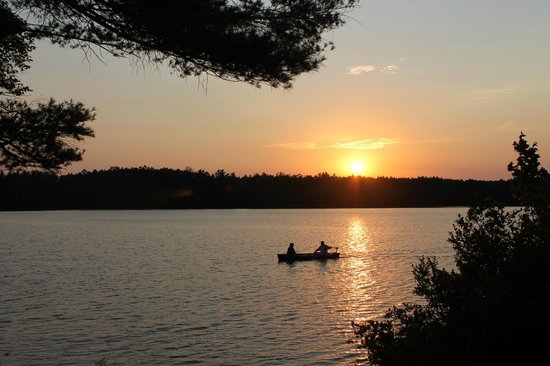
357	167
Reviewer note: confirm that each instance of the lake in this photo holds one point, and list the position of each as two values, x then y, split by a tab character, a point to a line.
204	287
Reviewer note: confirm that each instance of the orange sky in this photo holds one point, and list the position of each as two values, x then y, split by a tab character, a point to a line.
423	88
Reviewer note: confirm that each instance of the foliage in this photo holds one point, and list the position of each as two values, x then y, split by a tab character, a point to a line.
15	49
148	188
42	136
248	40
493	309
531	179
252	41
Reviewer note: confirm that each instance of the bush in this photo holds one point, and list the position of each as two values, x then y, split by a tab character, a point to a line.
494	308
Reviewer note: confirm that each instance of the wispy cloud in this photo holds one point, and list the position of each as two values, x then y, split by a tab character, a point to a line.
435	141
359	69
387	69
366	144
507	125
390	69
489	93
295	146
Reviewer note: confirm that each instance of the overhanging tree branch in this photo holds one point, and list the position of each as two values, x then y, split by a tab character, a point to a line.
253	41
43	135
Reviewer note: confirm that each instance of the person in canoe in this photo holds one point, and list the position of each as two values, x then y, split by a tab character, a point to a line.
323	248
290	250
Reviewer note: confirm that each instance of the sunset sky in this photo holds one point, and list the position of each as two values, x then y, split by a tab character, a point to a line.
413	88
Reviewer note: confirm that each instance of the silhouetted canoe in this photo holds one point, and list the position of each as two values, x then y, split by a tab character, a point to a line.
307	257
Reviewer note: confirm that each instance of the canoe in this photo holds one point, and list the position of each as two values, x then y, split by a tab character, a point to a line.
307	257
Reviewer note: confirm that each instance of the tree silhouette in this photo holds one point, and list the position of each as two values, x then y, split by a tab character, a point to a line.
148	188
15	48
250	41
247	40
44	135
493	309
530	178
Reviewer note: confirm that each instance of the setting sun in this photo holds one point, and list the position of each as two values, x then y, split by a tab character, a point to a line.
357	167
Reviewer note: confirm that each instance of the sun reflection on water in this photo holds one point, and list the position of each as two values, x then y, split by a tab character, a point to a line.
358	235
354	281
356	275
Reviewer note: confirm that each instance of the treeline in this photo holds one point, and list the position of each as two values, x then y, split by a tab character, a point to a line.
148	188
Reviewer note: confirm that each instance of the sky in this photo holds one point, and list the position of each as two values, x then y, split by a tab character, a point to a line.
413	88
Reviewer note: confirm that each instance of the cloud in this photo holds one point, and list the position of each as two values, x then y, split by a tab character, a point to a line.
360	69
435	141
366	144
507	125
356	70
489	93
390	69
295	146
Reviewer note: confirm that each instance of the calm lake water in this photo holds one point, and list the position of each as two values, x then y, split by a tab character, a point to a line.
203	286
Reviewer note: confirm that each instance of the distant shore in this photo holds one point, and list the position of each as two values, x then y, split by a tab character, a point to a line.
148	188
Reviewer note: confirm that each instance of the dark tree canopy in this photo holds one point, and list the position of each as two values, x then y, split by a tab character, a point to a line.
531	179
255	41
149	188
15	48
491	310
42	136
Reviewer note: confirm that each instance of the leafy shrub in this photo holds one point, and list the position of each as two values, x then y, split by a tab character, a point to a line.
495	307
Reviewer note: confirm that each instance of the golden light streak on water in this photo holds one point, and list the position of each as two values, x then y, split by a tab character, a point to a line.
357	271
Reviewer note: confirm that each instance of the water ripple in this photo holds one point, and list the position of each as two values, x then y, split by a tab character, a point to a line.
203	287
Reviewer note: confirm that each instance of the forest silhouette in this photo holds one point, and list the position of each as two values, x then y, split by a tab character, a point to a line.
149	188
